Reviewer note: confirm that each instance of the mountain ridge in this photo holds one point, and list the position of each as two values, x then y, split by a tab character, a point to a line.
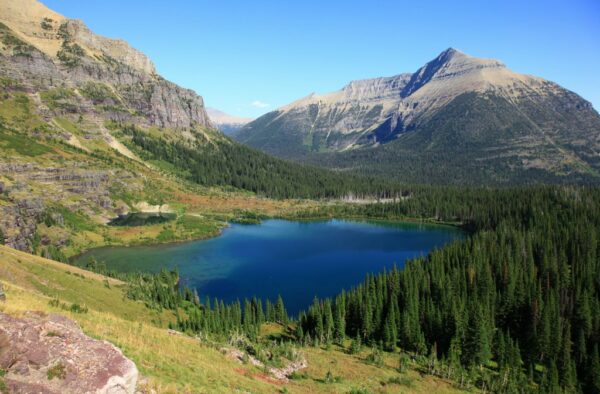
368	114
44	50
22	16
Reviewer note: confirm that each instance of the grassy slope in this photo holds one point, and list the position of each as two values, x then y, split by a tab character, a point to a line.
177	363
202	211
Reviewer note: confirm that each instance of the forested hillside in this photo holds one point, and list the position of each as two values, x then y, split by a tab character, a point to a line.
219	161
513	308
457	120
521	296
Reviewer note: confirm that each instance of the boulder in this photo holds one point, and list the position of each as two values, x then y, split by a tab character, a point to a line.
50	354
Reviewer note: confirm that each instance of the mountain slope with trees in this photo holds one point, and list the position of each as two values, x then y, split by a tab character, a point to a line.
458	119
90	131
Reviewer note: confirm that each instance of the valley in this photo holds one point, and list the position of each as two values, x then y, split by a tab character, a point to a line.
434	231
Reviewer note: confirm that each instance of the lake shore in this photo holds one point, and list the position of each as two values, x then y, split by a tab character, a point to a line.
291	258
144	233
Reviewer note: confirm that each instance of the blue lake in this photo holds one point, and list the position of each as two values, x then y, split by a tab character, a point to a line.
298	260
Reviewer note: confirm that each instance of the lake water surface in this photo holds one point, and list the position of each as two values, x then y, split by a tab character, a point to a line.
295	259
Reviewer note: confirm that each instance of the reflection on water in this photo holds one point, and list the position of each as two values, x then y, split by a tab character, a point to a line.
298	260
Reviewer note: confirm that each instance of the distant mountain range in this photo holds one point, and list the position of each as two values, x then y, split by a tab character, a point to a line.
457	119
227	124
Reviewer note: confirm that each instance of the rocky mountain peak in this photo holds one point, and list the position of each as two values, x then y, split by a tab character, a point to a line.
117	49
453	101
226	123
45	51
448	64
47	31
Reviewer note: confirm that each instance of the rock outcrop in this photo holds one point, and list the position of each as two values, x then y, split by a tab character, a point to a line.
36	190
280	374
44	50
50	354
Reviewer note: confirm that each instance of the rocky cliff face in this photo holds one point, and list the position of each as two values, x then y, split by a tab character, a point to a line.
73	92
43	50
35	192
538	117
50	354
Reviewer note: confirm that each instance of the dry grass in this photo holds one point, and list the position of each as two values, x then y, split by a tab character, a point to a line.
226	203
179	363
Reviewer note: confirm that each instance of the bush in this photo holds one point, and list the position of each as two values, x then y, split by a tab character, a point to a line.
76	308
356	345
46	24
359	391
70	54
297	375
57	371
375	357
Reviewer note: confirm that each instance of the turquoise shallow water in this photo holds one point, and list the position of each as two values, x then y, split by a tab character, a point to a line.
298	260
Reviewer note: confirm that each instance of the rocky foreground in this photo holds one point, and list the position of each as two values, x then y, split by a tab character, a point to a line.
50	354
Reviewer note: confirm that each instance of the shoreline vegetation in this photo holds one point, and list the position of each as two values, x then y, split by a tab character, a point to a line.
470	311
252	218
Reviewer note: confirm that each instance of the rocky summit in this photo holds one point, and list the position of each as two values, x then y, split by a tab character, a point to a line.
50	354
457	114
43	50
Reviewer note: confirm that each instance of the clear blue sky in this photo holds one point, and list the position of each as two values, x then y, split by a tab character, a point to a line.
249	57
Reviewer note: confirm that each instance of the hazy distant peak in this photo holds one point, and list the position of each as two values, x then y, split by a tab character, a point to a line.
220	117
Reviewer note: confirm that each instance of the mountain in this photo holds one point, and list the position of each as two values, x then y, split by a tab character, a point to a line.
457	119
89	131
227	124
44	50
67	95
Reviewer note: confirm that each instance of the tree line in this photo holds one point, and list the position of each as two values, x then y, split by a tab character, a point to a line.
223	162
522	294
515	307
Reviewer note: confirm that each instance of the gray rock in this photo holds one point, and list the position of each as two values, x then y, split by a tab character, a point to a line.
37	347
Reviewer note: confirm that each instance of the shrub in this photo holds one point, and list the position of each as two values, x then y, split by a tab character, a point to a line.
375	357
76	308
358	391
70	54
46	25
356	345
57	371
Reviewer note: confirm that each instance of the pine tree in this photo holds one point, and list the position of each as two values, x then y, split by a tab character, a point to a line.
339	323
327	321
281	315
594	372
